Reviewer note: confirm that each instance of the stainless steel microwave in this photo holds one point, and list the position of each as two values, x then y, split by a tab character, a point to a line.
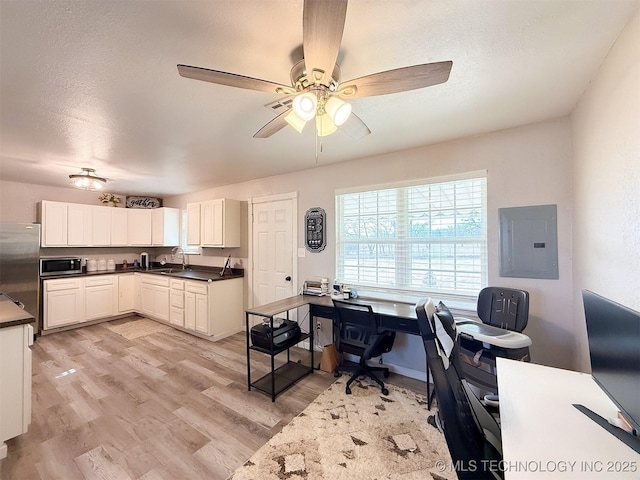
50	266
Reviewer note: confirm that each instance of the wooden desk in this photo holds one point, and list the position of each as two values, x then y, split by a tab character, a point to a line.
544	436
394	316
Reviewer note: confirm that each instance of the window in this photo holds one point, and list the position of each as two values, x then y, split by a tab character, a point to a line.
427	236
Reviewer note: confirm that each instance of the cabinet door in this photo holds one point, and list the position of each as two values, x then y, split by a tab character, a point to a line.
211	223
190	310
202	313
165	227
193	224
119	227
147	299
100	226
126	293
78	224
98	302
63	307
54	224
161	303
139	223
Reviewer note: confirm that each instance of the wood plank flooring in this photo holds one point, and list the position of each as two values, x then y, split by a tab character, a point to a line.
163	406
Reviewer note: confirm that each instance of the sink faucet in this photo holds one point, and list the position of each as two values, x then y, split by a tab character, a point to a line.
226	265
179	251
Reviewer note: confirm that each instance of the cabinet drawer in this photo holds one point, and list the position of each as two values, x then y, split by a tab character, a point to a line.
98	281
55	285
197	287
177	284
177	317
155	280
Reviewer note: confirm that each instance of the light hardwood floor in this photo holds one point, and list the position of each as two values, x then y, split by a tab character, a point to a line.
163	406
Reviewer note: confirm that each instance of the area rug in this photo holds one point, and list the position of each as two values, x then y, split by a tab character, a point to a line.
137	328
362	436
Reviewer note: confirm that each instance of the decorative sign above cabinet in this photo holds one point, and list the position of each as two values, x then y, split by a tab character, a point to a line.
143	202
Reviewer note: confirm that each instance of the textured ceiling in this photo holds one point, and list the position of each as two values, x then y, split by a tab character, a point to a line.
95	84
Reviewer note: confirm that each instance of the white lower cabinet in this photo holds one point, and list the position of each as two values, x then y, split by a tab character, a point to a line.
63	302
209	308
126	293
154	296
214	308
100	295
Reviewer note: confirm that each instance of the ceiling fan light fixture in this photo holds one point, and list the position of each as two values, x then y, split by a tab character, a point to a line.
304	106
87	180
295	121
324	125
338	110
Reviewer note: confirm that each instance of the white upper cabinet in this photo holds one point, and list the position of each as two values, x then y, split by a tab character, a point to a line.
218	224
139	221
101	226
193	224
119	227
165	227
54	224
78	225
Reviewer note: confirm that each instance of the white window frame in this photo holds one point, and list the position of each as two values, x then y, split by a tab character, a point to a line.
402	244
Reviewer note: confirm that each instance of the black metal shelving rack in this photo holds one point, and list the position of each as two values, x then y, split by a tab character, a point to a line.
278	379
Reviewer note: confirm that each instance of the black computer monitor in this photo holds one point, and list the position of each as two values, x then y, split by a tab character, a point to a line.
614	346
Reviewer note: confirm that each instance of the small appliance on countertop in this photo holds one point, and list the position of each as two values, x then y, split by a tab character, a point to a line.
144	261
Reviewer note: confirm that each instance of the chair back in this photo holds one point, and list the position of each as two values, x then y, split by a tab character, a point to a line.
506	308
472	435
357	323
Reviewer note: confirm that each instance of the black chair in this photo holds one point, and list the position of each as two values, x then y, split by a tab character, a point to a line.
359	335
472	433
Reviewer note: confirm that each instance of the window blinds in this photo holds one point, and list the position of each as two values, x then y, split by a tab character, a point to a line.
417	238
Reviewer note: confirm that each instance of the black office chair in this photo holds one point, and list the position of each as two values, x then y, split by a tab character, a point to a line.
472	434
359	335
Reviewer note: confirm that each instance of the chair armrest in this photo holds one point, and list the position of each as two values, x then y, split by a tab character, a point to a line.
466	319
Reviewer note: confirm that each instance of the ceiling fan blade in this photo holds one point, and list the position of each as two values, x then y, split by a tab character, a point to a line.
233	80
322	27
274	126
355	127
398	80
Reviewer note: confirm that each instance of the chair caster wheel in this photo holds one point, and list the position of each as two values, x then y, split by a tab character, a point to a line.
348	391
385	374
336	374
385	391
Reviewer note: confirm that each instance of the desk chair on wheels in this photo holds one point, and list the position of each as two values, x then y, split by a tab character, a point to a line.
359	335
473	436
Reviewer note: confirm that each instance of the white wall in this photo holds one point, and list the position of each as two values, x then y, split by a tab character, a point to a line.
529	165
606	176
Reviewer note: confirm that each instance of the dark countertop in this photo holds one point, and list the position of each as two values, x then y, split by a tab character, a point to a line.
170	270
11	314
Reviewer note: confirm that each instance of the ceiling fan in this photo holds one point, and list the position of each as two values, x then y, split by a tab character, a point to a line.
316	89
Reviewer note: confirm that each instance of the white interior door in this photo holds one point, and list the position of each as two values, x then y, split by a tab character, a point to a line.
273	246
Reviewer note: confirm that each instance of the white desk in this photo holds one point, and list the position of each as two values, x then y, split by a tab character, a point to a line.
544	436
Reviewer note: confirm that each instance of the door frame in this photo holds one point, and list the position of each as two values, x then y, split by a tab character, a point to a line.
293	196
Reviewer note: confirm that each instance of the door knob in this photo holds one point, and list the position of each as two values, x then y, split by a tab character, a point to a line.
288	278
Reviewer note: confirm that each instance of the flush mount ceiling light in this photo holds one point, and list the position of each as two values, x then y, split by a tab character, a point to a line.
87	180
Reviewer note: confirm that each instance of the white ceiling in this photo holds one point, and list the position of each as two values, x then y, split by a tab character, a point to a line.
94	83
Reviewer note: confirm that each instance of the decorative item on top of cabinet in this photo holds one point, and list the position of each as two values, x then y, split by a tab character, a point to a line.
143	202
110	199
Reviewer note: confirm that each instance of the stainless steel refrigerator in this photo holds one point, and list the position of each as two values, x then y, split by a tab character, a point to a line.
19	265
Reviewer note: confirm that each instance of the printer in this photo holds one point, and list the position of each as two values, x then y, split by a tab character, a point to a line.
282	332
